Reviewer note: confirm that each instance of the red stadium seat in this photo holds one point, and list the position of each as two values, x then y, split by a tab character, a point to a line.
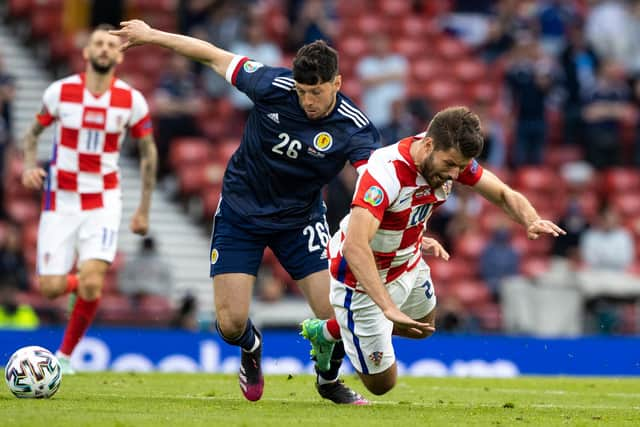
483	91
191	179
416	27
534	266
369	24
469	246
470	293
188	151
442	92
223	151
538	248
618	179
20	8
627	204
556	156
353	46
23	210
535	178
210	196
450	48
45	22
469	70
454	270
410	47
425	69
489	315
394	8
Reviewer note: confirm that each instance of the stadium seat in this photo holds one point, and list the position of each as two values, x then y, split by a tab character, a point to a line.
469	246
556	156
449	48
483	91
191	179
367	24
353	46
210	197
454	270
526	248
534	266
442	92
185	152
45	21
394	8
410	47
489	315
23	210
627	204
426	69
469	70
619	179
20	8
223	151
536	178
470	293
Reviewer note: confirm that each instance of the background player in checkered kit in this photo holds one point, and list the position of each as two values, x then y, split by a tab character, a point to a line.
299	134
81	200
381	285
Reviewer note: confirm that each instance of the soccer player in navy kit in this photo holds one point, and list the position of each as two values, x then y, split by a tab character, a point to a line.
298	136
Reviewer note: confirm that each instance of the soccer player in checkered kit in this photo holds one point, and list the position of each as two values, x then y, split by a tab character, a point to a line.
81	202
380	283
298	136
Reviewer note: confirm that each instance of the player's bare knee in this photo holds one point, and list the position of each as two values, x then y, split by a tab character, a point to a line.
230	326
380	387
90	286
52	286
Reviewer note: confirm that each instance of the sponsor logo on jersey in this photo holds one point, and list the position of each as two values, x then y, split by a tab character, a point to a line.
376	357
214	256
314	153
274	117
251	66
474	166
422	192
374	196
323	141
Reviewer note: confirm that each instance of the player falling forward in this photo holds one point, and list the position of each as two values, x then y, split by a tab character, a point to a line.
380	284
82	201
299	134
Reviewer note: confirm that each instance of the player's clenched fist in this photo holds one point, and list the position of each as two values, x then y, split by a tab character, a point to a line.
33	178
135	32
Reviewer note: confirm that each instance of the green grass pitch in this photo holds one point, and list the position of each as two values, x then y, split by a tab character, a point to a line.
126	399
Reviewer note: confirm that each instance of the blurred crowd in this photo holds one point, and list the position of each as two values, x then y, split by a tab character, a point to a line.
556	83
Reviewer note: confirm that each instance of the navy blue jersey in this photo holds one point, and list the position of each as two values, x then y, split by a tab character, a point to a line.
275	178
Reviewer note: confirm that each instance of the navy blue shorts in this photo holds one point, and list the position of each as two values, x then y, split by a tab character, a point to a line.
238	247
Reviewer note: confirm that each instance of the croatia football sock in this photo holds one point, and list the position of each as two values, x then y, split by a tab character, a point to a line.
334	369
331	330
72	283
248	341
81	317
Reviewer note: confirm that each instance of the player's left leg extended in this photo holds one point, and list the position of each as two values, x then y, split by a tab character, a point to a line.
91	276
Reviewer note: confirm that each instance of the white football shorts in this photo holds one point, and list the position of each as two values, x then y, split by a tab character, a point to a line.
91	234
366	332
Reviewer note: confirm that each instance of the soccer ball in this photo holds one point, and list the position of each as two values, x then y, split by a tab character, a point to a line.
33	372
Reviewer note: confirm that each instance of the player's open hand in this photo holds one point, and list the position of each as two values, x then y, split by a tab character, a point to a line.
402	322
134	33
139	223
543	226
33	178
431	246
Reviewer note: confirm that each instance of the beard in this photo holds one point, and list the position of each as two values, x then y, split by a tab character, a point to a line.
101	68
433	179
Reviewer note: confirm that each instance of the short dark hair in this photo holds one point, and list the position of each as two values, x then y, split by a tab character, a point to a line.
103	27
457	127
315	63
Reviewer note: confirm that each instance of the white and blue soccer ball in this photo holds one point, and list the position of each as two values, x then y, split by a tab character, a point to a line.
33	372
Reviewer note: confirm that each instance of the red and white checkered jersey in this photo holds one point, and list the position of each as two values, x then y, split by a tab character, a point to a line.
392	189
83	172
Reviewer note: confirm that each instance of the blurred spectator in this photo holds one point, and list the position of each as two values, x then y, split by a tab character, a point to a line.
529	78
612	28
498	260
607	245
607	106
402	123
339	195
383	75
311	20
257	47
575	224
494	152
579	66
106	12
177	105
193	14
635	85
505	22
223	27
14	315
146	272
7	95
456	217
554	16
12	263
186	315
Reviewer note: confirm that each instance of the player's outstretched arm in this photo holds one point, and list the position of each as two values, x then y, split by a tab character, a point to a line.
32	175
362	228
148	167
515	205
137	32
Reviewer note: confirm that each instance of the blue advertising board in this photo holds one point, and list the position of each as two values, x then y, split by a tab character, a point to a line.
286	352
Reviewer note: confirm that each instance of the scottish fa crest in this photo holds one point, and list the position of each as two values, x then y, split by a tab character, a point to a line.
323	141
